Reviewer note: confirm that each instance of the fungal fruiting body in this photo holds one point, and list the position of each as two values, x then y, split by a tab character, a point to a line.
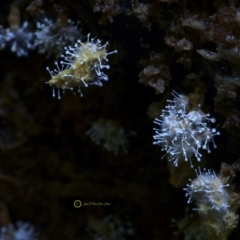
216	203
52	36
209	192
19	39
183	132
109	134
81	66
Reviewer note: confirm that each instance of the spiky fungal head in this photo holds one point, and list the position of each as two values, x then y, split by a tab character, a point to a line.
183	132
82	65
209	192
216	203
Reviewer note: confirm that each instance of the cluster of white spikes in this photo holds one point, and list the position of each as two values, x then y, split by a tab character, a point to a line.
82	64
183	133
208	191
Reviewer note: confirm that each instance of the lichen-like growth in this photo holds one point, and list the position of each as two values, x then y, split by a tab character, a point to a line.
109	9
81	65
156	72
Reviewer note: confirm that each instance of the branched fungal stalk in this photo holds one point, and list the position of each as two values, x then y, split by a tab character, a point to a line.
182	133
82	65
